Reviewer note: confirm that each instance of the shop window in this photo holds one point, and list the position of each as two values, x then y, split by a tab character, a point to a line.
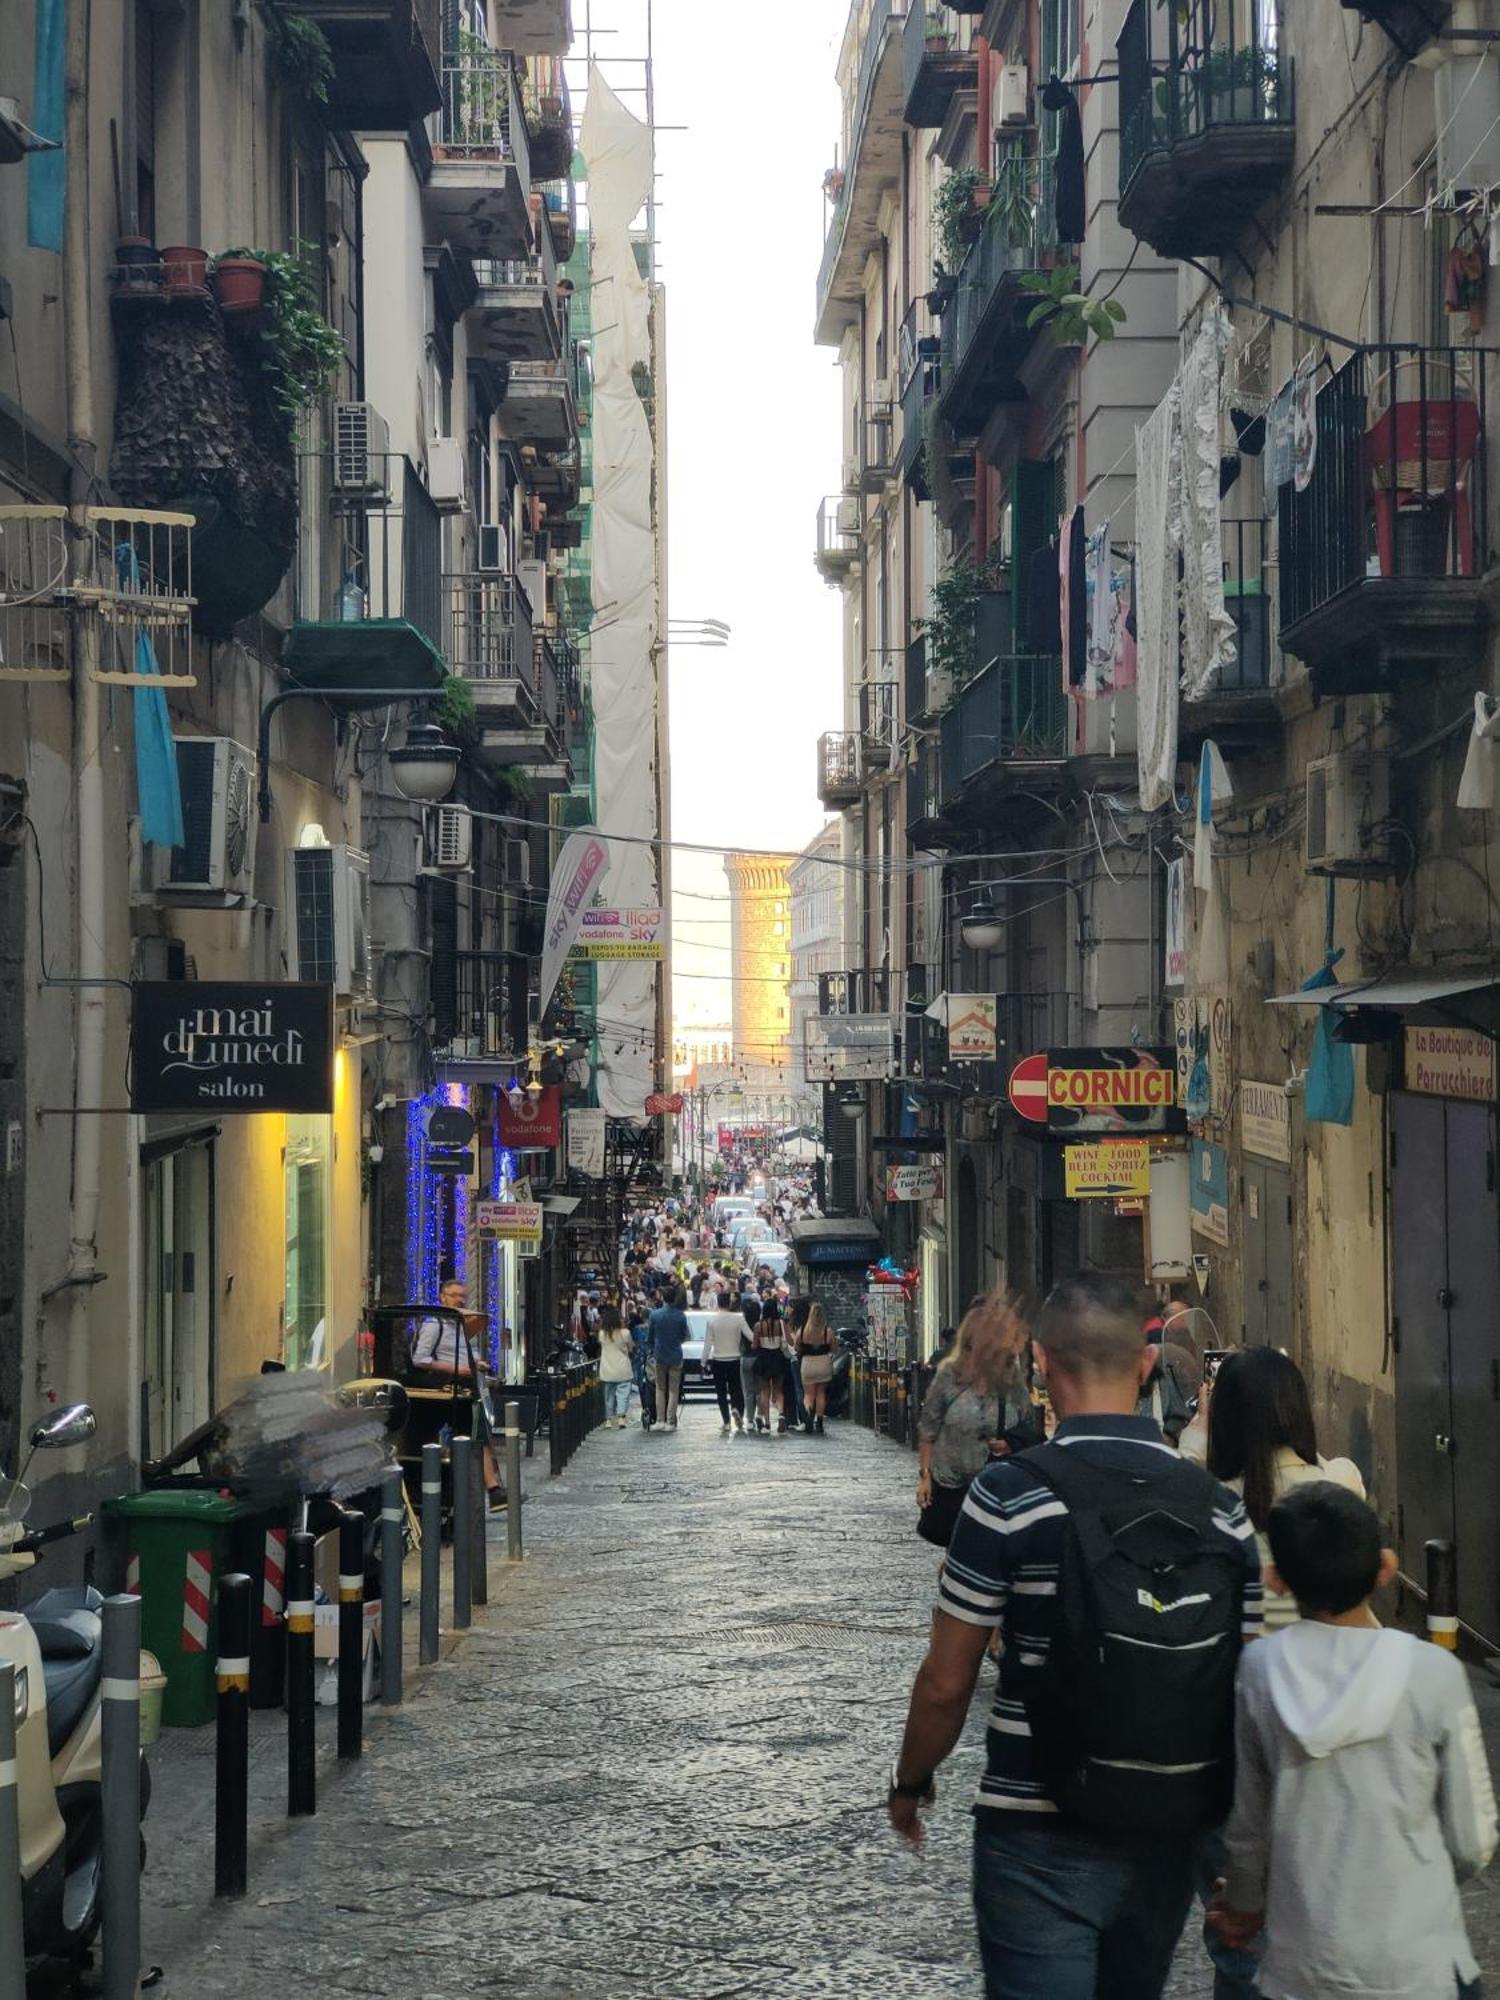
308	1150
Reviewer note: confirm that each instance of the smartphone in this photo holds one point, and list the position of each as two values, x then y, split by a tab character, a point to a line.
1213	1360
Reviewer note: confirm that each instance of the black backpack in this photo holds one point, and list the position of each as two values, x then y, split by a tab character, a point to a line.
1132	1710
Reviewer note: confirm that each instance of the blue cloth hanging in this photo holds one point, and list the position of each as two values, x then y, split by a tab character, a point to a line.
47	173
1329	1098
158	792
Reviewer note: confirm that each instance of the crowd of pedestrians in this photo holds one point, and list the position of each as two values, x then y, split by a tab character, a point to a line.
1194	1695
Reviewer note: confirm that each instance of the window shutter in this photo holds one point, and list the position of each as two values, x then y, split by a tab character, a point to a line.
1033	514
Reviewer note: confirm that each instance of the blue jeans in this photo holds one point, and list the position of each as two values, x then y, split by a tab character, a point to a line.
617	1397
1068	1915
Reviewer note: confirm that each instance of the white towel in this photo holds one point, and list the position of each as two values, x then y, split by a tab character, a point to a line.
1478	787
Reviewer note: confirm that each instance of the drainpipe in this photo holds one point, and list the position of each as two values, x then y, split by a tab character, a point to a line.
83	1273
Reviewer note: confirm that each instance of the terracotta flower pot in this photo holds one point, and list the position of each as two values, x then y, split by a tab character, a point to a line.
240	284
184	267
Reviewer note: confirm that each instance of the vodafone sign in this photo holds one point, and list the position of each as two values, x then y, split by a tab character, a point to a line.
534	1122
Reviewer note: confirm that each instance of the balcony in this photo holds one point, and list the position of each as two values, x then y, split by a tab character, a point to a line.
1242	706
549	118
873	140
877	454
838	537
1381	556
1013	715
920	378
1206	123
861	990
1411	24
557	480
879	710
555	672
479	181
985	335
479	1005
378	622
539	408
385	61
933	66
839	766
515	315
493	648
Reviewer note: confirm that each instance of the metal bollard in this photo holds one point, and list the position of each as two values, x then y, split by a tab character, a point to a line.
351	1635
460	1453
232	1737
120	1797
12	1936
392	1522
432	1552
301	1718
555	1422
479	1577
513	1482
1442	1594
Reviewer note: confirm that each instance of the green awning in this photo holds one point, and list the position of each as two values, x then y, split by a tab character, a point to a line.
344	658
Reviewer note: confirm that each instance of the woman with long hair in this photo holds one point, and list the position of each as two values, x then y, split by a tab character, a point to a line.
769	1335
978	1406
616	1365
815	1350
1262	1442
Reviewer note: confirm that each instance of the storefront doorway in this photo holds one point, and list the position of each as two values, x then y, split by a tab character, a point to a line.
177	1267
1445	1258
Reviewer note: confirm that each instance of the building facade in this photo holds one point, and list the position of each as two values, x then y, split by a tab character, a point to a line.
816	881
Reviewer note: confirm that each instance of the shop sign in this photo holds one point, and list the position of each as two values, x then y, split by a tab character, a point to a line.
633	934
576	872
508	1221
848	1048
1208	1194
233	1047
1266	1121
1125	1090
586	1143
923	1182
1106	1169
535	1122
1175	970
971	1027
1450	1062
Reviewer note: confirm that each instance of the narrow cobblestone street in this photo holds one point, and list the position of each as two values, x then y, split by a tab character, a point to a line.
655	1766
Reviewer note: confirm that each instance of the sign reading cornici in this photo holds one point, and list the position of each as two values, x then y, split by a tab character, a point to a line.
235	1047
1122	1090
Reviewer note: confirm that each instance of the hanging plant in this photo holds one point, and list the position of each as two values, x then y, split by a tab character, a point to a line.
952	213
950	629
1071	314
298	351
303	55
454	710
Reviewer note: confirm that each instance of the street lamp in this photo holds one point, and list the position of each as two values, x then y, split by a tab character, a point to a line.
426	765
983	928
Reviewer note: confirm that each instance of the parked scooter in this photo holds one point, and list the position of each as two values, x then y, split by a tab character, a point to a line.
56	1648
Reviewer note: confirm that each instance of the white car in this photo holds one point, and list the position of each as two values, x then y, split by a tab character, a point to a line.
729	1208
750	1229
696	1373
775	1256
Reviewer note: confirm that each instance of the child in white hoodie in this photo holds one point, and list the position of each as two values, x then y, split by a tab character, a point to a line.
1362	1795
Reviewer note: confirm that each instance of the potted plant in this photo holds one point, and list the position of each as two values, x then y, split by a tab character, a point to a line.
239	281
1238	86
298	351
137	266
957	213
184	269
1071	314
935	29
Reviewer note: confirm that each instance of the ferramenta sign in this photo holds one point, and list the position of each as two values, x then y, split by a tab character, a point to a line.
233	1047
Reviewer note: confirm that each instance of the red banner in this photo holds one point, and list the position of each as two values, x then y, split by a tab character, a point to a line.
537	1121
659	1102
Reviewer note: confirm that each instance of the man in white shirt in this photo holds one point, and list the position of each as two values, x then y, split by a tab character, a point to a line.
441	1349
721	1350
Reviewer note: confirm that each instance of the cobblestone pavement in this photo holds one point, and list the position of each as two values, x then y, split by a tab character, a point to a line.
656	1766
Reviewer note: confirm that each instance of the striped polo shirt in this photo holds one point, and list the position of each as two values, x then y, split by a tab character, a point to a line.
1001	1569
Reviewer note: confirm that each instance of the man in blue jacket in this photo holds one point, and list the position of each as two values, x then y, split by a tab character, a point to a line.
669	1329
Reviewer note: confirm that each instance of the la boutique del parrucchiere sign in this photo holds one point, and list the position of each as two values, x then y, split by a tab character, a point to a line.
232	1047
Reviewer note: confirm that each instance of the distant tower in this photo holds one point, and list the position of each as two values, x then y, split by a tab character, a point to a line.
760	906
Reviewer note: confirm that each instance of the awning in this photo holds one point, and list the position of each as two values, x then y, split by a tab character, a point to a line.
1470	1000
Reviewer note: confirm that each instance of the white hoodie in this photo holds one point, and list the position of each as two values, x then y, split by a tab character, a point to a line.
1362	1799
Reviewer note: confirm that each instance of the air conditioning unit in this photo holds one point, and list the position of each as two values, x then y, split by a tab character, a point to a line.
491	549
1348	813
216	778
450	838
1013	95
847	518
517	873
851	475
882	390
328	896
532	577
361	450
447	483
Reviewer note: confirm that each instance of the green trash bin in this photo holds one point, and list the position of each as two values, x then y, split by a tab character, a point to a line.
177	1546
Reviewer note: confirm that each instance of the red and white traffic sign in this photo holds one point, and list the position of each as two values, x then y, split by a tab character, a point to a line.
1027	1088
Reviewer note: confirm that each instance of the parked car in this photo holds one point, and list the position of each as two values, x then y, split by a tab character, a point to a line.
776	1256
728	1208
750	1229
696	1373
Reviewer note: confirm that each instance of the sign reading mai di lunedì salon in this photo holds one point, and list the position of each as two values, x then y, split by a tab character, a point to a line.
230	1046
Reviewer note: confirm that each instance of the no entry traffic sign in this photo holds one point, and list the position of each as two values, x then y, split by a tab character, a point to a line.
1027	1088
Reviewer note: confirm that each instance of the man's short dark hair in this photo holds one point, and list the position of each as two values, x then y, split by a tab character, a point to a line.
1091	1325
677	1297
1326	1543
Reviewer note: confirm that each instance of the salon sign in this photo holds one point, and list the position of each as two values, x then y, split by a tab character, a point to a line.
197	1044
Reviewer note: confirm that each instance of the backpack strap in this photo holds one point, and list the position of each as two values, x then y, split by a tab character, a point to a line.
1084	1486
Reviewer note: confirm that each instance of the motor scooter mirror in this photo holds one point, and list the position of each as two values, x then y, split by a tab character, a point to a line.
74	1425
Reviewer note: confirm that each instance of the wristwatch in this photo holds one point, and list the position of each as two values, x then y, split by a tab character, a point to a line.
922	1790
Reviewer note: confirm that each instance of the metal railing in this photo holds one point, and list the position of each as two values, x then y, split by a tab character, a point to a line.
550	681
877	442
916	679
1399	487
1013	710
1018	231
839	766
1189	68
490	629
387	555
859	990
479	1002
878	713
837	542
481	116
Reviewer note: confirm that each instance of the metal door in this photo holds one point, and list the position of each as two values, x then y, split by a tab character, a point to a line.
1474	1360
1253	1263
1419	1277
1266	1219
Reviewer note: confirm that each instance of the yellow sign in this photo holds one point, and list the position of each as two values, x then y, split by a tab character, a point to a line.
1107	1170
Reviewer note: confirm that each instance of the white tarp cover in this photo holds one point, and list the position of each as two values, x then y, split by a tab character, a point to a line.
1158	521
1208	631
617	148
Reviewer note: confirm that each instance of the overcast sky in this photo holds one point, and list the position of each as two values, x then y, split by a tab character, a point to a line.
753	427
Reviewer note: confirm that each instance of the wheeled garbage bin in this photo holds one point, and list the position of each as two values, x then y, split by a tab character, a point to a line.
178	1544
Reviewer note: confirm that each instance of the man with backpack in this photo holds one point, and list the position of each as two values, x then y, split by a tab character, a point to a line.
1123	1580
